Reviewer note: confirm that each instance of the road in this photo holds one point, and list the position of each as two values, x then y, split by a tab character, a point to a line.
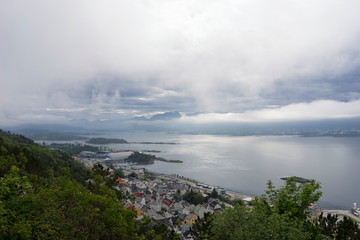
343	212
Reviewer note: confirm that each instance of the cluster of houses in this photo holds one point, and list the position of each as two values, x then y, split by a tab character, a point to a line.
160	199
103	156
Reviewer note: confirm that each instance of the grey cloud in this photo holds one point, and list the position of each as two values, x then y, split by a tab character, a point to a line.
120	58
343	87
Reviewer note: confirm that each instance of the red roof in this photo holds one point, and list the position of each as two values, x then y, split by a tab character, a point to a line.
119	180
167	201
137	194
131	207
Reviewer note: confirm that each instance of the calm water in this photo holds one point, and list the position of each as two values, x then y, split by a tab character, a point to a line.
246	163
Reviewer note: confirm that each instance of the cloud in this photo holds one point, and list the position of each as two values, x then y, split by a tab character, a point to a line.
123	57
318	110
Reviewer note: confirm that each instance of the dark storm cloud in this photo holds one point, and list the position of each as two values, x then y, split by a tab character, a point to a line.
344	88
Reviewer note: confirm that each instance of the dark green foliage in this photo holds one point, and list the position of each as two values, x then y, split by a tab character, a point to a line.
193	197
214	194
327	224
337	229
202	227
35	159
241	223
292	199
280	214
137	157
154	231
119	173
101	181
105	140
65	210
41	197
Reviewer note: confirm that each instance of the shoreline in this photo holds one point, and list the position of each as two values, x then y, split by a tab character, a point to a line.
248	197
233	194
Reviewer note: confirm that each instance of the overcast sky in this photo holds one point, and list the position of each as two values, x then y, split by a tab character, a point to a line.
230	60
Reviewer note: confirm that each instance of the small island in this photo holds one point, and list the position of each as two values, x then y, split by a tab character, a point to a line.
141	158
169	161
297	179
171	143
105	140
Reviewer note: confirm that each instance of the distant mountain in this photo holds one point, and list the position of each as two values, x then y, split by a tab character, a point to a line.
142	118
162	116
166	116
28	129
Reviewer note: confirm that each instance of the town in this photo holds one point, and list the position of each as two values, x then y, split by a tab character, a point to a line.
161	197
173	200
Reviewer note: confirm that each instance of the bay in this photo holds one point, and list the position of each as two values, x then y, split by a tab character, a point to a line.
245	163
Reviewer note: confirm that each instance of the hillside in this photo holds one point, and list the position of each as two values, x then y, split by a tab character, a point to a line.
33	159
45	194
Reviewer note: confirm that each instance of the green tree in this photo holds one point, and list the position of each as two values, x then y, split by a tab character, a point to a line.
242	223
292	199
41	197
193	197
119	173
279	214
214	194
65	210
336	228
202	227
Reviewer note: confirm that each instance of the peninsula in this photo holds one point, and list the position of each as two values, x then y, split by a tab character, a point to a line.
141	158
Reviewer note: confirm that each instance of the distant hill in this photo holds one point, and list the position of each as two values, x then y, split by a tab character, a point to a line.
46	194
142	118
53	136
161	116
24	153
27	129
166	116
105	140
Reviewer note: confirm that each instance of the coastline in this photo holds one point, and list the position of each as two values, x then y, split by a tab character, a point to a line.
231	193
248	197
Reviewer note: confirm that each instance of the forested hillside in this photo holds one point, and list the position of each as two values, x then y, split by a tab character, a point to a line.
44	195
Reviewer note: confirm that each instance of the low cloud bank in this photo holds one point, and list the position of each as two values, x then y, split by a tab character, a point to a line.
317	110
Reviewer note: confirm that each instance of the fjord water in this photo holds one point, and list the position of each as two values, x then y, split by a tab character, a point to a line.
245	163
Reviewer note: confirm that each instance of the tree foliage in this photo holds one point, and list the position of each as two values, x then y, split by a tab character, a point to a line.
242	223
138	157
279	214
43	195
343	229
193	197
292	199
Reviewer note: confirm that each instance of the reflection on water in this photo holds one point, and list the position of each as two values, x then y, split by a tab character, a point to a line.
246	163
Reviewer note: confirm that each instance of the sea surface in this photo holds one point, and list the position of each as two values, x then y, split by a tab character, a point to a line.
246	163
